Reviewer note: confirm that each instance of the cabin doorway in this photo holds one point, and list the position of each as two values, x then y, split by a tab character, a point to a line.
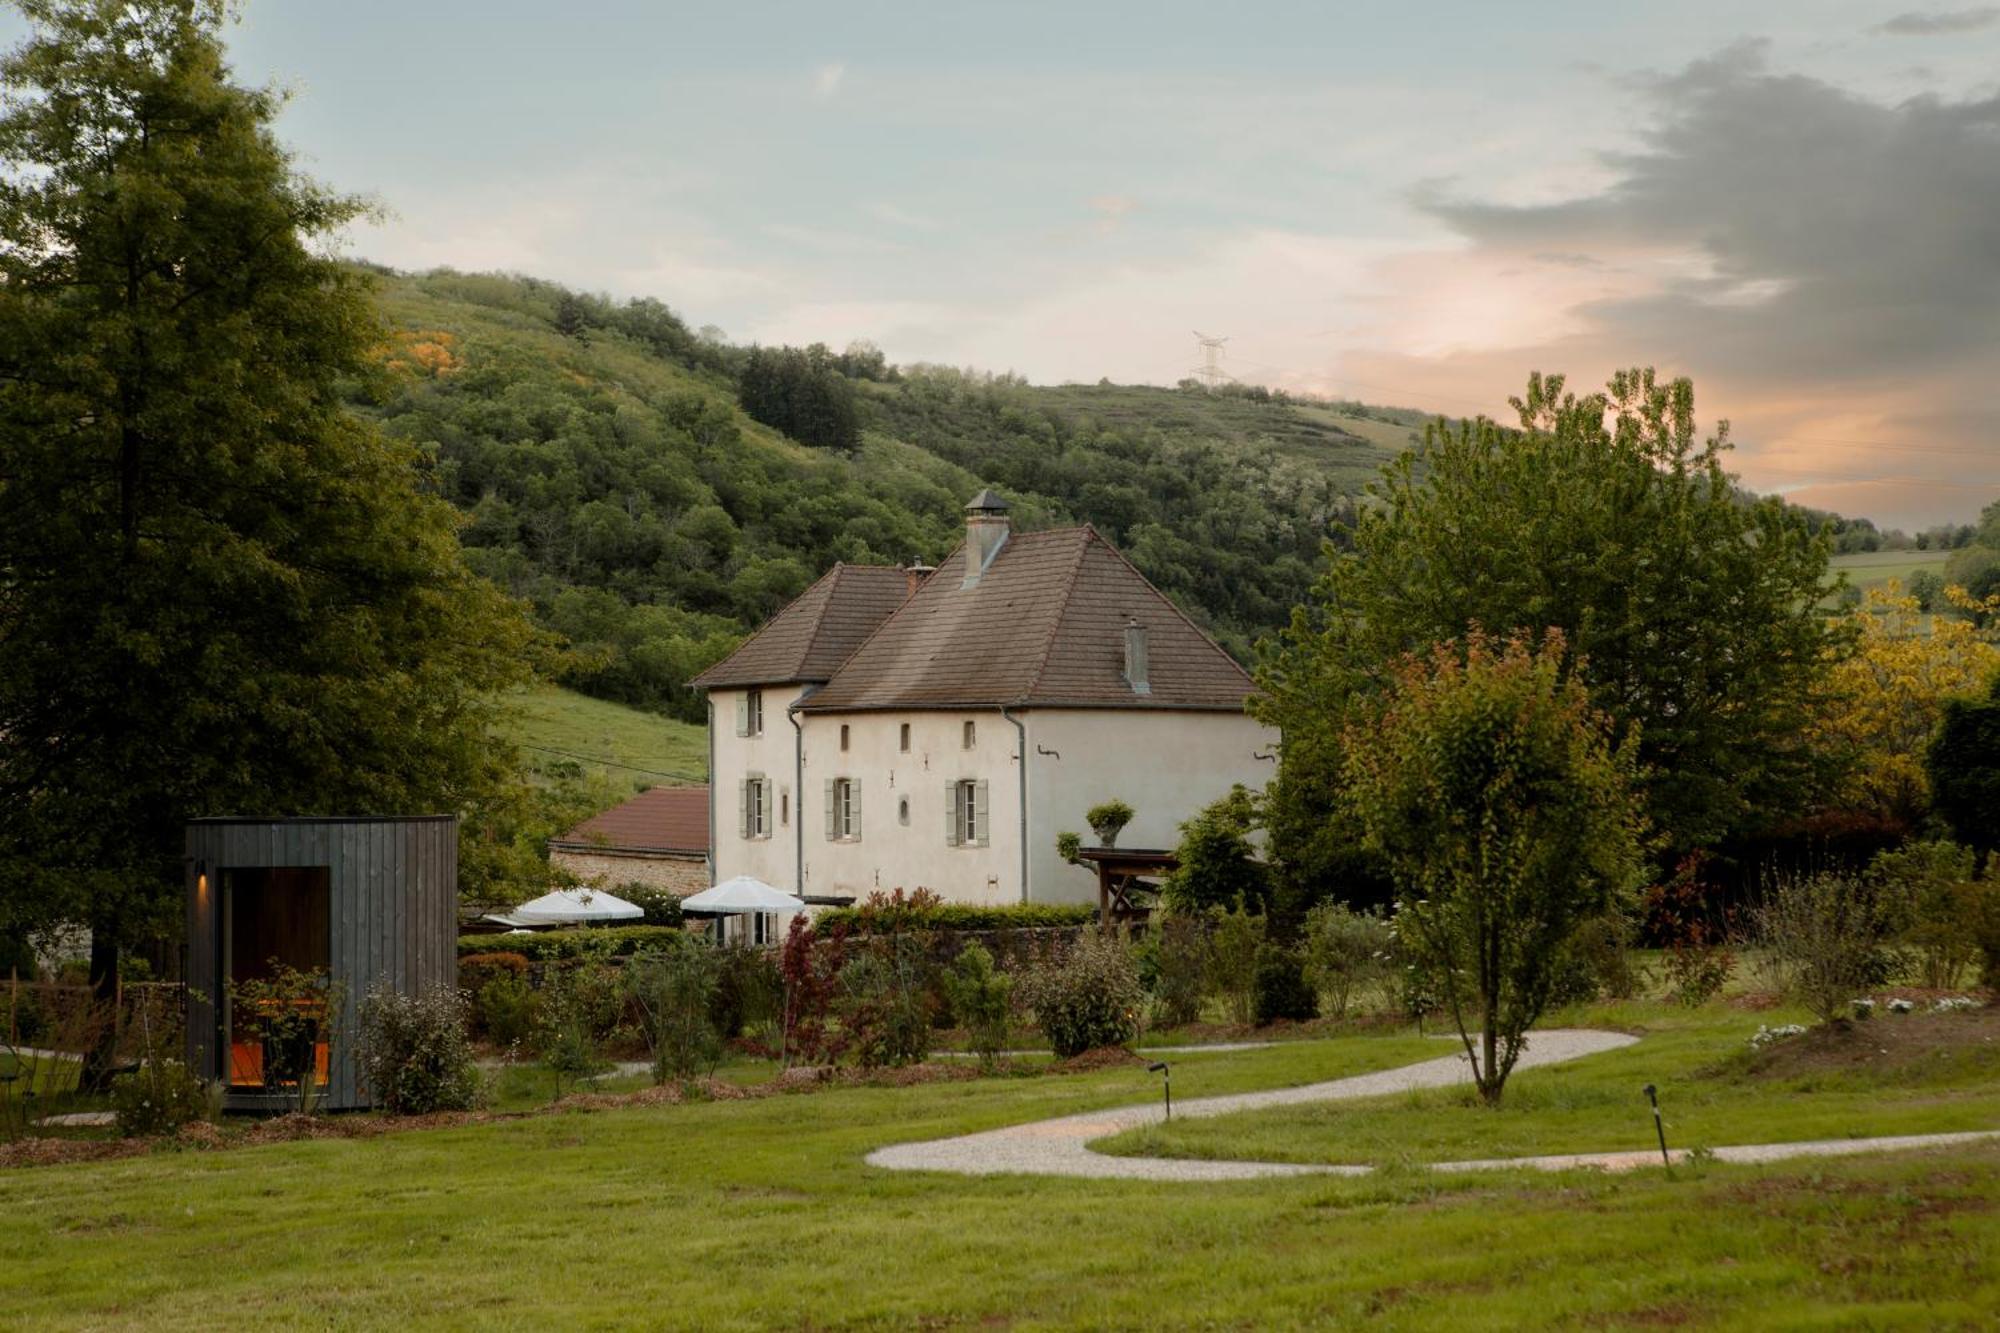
274	921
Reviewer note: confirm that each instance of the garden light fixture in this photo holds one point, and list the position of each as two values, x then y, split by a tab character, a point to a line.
1653	1096
1166	1083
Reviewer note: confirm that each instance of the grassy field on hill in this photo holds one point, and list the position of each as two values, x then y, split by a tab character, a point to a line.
555	725
760	1213
1870	569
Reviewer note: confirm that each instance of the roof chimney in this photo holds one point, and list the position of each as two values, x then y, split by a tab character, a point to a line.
914	576
1135	658
985	534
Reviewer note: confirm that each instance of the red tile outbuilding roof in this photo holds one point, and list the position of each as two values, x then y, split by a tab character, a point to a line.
660	819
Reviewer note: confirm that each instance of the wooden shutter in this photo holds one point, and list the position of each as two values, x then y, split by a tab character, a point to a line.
951	814
831	831
743	714
979	823
743	808
854	808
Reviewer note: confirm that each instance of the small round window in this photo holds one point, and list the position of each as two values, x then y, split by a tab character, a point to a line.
903	810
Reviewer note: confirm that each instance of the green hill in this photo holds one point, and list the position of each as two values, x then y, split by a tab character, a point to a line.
610	478
563	731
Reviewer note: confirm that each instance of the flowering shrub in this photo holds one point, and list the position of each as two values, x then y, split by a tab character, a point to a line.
1086	998
1955	1004
1900	1006
161	1096
1864	1008
415	1057
1764	1036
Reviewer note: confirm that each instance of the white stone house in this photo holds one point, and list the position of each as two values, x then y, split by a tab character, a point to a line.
906	729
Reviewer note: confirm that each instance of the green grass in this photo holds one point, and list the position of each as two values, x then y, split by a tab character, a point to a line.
1869	569
555	724
42	1075
1712	1092
762	1213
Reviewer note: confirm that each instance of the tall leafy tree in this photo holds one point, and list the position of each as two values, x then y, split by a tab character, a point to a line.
1691	608
220	591
1507	816
1963	764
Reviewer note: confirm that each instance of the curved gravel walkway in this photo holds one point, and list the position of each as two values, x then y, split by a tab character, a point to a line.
1060	1147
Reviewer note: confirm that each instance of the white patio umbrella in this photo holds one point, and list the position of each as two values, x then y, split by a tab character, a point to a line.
572	907
740	897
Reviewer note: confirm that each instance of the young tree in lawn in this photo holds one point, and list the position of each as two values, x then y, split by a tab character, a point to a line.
1508	816
1693	612
220	590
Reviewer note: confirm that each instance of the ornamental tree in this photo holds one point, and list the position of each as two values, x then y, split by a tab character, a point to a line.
1507	815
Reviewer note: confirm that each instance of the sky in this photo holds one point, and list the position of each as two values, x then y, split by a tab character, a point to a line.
1795	204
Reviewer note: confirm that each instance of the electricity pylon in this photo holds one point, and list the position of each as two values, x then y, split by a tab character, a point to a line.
1210	371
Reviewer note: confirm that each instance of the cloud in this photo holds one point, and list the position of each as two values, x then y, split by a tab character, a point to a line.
827	79
1929	23
1807	253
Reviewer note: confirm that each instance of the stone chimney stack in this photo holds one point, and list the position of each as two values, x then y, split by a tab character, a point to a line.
914	576
985	533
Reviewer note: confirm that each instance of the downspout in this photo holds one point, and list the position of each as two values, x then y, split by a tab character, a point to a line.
711	791
1021	753
799	790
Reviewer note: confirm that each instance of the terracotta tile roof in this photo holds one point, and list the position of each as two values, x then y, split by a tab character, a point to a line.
659	819
1045	625
810	638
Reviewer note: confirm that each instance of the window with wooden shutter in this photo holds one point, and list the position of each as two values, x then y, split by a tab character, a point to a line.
951	814
743	808
980	824
831	833
853	829
754	713
743	715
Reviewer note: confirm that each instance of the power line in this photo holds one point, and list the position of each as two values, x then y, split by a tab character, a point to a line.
580	757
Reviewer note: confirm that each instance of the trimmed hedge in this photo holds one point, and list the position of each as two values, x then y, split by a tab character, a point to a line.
545	945
967	916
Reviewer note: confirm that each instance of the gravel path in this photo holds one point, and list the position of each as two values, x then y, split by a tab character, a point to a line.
1209	1048
1060	1147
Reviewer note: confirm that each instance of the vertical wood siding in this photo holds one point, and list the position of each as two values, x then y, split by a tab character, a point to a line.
393	903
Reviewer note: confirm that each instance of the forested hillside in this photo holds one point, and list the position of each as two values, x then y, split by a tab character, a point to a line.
610	477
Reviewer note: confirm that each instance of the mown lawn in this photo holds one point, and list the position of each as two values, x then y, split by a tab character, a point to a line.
1912	1074
761	1213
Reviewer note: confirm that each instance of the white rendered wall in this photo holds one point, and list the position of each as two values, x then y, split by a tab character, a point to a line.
1165	765
890	854
772	859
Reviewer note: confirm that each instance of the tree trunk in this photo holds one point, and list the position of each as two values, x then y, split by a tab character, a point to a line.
97	1062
